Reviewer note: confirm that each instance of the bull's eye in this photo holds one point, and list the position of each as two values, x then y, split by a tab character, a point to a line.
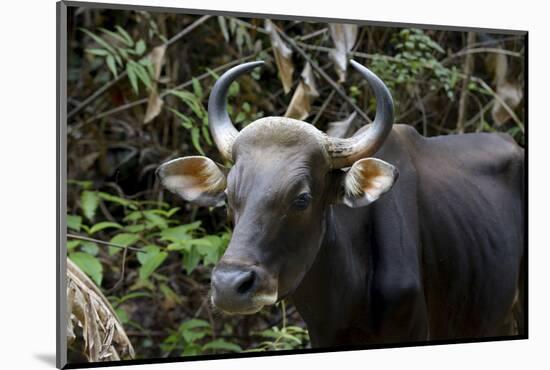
301	202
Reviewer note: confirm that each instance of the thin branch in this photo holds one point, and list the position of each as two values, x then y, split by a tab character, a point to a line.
96	95
423	111
325	76
501	101
111	83
323	107
479	116
178	87
266	32
122	273
471	50
498	41
325	49
80	237
188	29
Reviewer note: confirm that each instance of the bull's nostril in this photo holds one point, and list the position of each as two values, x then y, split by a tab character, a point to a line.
246	283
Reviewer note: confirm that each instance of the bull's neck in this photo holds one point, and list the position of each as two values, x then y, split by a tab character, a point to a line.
335	287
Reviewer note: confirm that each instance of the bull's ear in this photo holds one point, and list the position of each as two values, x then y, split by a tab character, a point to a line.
366	181
196	179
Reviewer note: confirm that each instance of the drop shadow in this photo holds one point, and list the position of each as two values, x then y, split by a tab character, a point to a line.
47	358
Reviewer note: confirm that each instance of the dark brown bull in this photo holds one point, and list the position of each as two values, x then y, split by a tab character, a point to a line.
437	257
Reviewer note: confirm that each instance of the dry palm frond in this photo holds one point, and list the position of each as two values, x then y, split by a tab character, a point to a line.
155	103
283	56
344	37
104	337
300	104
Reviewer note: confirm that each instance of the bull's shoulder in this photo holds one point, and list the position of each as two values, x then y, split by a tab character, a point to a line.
491	152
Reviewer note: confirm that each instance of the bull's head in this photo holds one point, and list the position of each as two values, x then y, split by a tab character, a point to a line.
285	177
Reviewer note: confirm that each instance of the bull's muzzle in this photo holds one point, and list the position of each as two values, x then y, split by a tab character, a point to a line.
241	289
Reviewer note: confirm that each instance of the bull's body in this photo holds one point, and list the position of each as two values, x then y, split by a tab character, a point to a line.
437	257
437	254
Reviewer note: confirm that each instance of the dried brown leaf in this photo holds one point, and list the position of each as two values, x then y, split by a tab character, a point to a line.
87	161
155	103
344	37
283	56
508	92
309	80
154	106
498	65
87	307
157	58
300	104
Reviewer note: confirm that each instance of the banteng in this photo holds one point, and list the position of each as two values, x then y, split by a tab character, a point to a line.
366	257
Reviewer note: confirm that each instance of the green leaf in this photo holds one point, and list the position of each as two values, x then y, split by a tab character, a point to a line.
74	222
99	40
197	88
220	344
234	89
194	329
185	245
171	212
140	47
151	265
213	74
122	315
194	324
195	139
126	36
104	225
89	201
135	228
223	28
211	251
191	259
191	101
147	63
150	251
141	73
133	216
118	59
156	220
112	65
132	76
89	264
123	239
206	134
114	35
99	52
170	294
178	233
133	295
124	52
185	121
82	184
89	247
118	200
192	349
72	244
178	246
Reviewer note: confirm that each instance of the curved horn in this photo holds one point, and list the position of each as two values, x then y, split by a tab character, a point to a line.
222	129
344	152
